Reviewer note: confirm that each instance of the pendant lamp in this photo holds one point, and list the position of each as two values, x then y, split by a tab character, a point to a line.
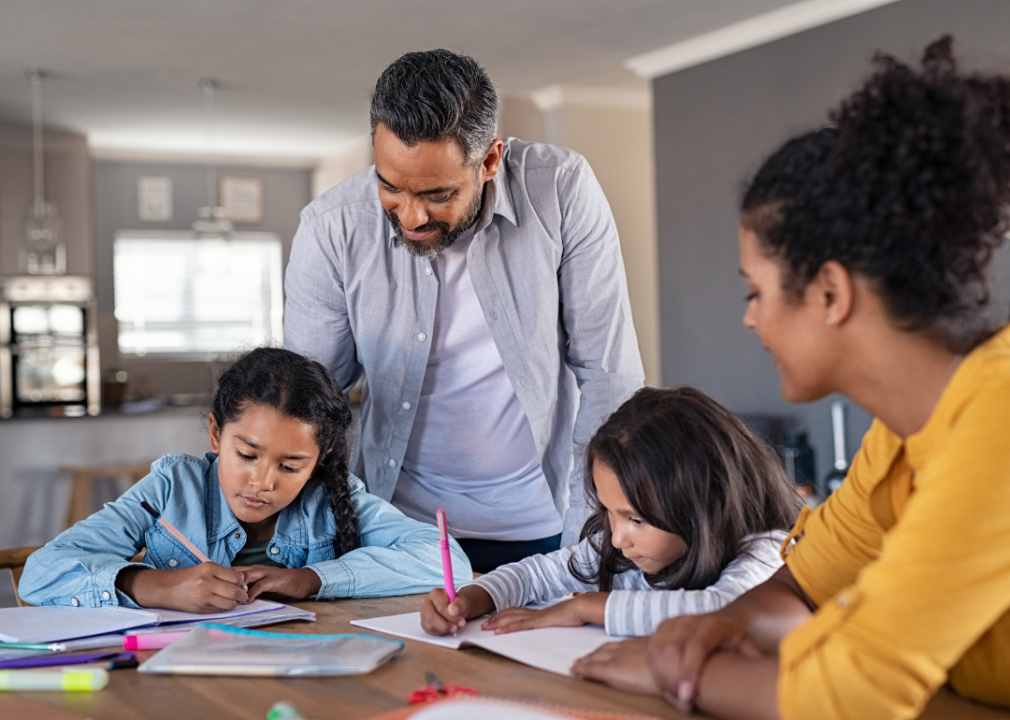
211	222
43	252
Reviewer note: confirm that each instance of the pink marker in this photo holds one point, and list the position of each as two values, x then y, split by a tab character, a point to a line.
151	641
443	540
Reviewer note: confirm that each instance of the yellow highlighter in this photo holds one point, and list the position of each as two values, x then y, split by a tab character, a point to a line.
68	680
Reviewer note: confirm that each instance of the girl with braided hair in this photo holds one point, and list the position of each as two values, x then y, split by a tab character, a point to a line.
273	507
866	250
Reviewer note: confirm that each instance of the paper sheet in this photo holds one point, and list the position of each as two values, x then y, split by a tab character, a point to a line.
551	649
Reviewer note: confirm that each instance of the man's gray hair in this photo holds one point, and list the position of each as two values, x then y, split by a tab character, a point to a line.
437	95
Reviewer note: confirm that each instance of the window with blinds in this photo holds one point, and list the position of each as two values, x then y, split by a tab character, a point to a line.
180	295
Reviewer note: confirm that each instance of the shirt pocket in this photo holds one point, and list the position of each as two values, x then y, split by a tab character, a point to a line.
165	552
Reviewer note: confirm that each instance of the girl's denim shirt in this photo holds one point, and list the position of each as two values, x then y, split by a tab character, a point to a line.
398	555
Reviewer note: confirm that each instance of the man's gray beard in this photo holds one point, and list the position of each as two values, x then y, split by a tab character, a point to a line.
448	237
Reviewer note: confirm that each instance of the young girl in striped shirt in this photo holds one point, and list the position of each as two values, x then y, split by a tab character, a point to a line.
690	511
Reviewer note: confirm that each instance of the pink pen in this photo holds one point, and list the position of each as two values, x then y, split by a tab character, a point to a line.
151	641
443	540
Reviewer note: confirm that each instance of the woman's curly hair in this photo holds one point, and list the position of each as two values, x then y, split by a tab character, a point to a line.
909	189
299	388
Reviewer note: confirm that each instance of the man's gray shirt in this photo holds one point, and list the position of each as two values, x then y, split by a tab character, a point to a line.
546	268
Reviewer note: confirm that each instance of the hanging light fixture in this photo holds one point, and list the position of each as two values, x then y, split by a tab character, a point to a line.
211	222
43	252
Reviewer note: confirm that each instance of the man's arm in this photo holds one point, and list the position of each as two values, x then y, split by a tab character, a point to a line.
602	347
316	322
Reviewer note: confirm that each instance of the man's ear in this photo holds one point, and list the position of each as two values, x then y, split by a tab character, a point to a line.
215	433
492	160
835	292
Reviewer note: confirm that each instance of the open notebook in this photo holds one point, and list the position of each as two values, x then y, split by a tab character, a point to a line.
553	649
55	623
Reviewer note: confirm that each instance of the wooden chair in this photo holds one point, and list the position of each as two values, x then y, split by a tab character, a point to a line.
82	479
14	560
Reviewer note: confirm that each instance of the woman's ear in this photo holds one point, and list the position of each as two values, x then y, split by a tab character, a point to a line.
834	292
215	434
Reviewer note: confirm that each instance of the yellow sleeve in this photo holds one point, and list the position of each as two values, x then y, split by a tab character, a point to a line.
881	648
841	536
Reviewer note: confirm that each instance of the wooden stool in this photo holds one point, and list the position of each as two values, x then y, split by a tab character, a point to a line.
82	480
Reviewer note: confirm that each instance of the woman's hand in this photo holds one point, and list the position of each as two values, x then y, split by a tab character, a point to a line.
280	582
204	588
441	617
586	608
623	665
681	647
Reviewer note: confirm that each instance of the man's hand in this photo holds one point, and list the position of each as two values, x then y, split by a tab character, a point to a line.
441	617
623	665
681	647
280	582
583	609
204	588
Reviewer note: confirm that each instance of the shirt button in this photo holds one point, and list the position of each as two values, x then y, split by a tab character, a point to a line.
173	562
843	600
392	462
275	550
422	337
406	406
238	535
75	602
106	595
427	271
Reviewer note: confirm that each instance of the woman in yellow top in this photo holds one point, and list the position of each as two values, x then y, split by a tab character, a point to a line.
865	249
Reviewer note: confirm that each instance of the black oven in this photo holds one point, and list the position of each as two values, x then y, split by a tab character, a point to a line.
48	347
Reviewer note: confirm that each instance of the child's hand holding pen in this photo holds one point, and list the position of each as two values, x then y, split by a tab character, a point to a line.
440	617
204	588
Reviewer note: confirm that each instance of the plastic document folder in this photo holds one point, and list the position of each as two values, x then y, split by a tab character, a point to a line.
222	650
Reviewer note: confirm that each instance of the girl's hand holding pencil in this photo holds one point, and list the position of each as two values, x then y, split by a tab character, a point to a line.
441	617
204	588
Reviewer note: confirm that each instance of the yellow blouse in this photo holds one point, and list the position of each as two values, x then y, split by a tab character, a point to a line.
909	563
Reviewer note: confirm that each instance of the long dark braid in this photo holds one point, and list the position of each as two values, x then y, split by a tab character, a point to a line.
299	388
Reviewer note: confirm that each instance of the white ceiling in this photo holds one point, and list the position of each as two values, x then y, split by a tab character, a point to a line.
296	74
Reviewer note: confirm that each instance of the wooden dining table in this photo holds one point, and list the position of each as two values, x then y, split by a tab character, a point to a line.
139	696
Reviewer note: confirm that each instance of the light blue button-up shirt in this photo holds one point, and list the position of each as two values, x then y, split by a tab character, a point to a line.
397	556
546	267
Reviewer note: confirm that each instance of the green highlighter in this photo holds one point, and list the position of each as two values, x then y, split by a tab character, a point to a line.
284	711
69	680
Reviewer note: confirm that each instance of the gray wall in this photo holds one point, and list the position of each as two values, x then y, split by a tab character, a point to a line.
286	192
714	124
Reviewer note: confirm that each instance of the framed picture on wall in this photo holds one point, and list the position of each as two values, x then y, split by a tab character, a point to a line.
242	198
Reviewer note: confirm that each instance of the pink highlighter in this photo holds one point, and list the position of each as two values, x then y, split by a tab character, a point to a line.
443	540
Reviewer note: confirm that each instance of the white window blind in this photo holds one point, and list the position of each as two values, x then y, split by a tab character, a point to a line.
177	294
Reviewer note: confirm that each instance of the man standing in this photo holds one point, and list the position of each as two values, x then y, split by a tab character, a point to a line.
479	284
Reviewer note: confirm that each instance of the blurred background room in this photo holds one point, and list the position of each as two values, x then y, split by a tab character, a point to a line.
154	158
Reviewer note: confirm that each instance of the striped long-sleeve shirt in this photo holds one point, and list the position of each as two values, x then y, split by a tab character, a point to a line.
634	608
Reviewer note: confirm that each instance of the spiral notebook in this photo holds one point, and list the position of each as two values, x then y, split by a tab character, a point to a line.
54	623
